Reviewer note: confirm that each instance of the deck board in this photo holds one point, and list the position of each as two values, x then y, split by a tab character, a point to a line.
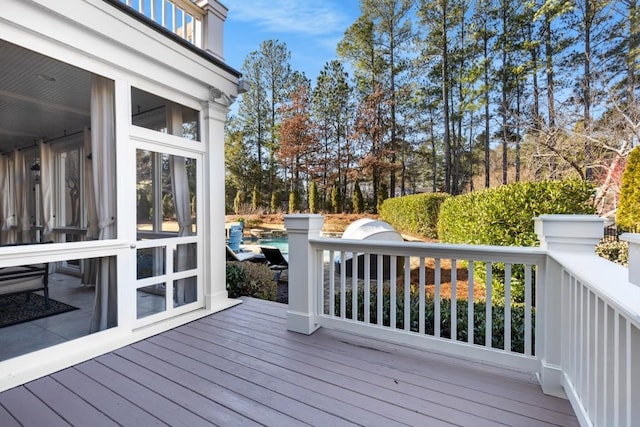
242	367
468	384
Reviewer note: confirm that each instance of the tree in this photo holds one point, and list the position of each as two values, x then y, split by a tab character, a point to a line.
358	201
298	136
268	73
313	197
333	117
628	217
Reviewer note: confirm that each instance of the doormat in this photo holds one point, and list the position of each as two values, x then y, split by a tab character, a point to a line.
16	309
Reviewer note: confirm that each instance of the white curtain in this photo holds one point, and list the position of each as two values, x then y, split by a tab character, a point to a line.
21	198
46	190
185	288
7	202
89	266
103	157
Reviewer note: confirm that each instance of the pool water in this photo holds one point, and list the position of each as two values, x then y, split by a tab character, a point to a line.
279	242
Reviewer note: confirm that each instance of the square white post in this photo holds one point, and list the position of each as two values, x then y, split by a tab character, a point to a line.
634	256
301	315
213	27
567	234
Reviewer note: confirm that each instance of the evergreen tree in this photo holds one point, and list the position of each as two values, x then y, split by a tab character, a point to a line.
628	217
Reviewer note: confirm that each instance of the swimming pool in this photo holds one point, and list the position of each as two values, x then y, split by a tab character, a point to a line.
278	242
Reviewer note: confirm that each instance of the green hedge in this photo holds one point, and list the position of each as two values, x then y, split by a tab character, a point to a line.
416	214
479	316
504	215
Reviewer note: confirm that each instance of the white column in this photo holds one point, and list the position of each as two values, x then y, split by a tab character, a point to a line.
213	27
214	117
567	234
301	315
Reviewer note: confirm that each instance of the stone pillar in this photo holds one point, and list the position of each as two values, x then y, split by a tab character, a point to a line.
213	27
301	315
560	235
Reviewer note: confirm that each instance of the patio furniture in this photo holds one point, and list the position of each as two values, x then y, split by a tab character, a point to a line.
277	262
244	256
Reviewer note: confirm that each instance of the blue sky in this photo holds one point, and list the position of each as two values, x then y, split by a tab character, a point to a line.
310	28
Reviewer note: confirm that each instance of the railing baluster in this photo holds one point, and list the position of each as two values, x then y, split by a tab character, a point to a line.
343	285
470	301
527	310
454	301
507	307
380	286
318	259
332	284
488	332
354	286
392	293
628	396
616	368
407	293
436	299
380	289
421	294
367	288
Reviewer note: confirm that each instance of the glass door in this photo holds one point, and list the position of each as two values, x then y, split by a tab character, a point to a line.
168	247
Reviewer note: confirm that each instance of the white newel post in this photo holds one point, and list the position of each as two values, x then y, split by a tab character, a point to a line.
301	315
568	234
213	27
634	256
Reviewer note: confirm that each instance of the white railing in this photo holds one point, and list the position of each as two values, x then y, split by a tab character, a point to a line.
577	325
181	17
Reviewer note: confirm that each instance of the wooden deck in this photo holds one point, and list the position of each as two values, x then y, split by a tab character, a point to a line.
242	367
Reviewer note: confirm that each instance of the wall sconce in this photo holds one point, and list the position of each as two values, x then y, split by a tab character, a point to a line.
35	170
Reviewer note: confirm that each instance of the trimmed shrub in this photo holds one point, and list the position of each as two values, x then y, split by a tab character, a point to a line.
358	200
617	252
479	313
416	214
250	279
238	202
294	201
313	197
335	199
504	215
255	198
275	202
628	216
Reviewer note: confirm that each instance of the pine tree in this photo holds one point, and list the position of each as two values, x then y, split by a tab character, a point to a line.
313	197
358	201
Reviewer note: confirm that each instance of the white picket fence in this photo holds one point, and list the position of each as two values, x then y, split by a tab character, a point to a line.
576	324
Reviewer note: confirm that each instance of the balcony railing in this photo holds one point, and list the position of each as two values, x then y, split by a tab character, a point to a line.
558	310
181	17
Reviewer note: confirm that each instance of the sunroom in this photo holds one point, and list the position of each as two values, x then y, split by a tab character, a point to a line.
111	142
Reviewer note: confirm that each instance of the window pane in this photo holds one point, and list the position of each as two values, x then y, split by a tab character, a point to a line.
150	262
185	291
185	257
157	193
153	112
151	300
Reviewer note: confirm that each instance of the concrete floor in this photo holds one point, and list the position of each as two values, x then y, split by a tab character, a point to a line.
41	333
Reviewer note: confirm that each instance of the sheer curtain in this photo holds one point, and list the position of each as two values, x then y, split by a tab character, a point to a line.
105	314
89	266
7	202
185	288
46	190
21	200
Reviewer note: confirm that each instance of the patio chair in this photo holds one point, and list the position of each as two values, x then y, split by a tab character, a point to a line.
244	256
276	261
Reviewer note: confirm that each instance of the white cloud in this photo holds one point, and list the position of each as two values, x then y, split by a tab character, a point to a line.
310	17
